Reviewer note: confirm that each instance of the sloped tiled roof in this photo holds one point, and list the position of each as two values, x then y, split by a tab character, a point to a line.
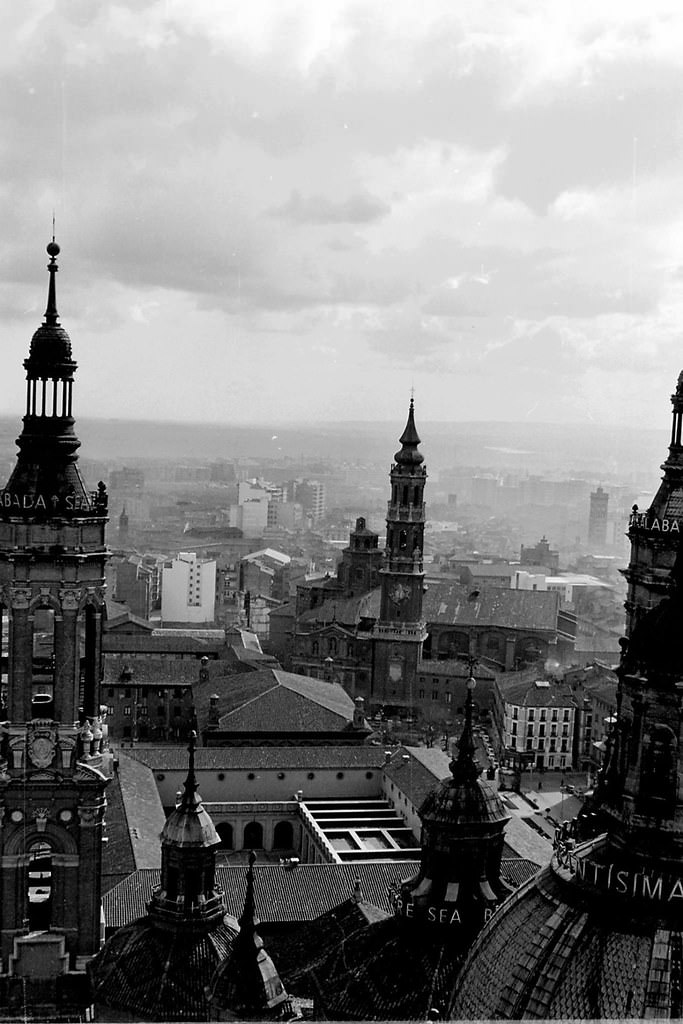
134	819
275	701
248	758
159	671
453	604
528	694
283	896
346	611
415	771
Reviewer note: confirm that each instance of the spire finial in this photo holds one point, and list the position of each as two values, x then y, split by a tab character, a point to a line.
190	794
464	765
249	920
51	314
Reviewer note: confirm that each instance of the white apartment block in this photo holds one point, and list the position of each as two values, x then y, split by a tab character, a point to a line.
540	724
188	589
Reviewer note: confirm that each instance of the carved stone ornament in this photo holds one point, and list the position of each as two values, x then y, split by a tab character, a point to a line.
90	814
41	747
20	597
70	598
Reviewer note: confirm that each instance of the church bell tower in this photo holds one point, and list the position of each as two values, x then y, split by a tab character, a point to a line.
400	630
52	561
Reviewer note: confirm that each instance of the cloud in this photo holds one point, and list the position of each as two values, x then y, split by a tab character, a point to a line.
356	209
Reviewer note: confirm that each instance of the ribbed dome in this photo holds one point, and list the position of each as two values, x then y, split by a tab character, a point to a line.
458	802
190	827
585	939
50	345
154	973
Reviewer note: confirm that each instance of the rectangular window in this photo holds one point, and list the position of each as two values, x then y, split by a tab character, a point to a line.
564	745
530	729
515	712
435	694
514	728
420	693
110	709
532	714
565	716
541	729
449	697
543	714
513	743
126	710
541	744
529	744
554	715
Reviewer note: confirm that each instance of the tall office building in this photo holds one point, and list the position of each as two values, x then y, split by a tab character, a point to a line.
597	518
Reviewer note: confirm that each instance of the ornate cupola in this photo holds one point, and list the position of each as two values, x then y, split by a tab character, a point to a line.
160	966
458	885
247	985
187	894
400	630
46	479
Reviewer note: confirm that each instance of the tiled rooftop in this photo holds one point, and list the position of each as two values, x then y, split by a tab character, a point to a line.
248	758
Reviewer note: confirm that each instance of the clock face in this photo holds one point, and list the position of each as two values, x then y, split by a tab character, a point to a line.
398	593
17	816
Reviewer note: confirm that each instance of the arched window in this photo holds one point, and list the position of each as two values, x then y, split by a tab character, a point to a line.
39	894
43	665
402	540
283	836
225	832
405	495
253	836
659	775
333	645
315	647
89	661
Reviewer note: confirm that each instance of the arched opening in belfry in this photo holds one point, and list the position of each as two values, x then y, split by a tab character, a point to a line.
39	886
89	662
43	653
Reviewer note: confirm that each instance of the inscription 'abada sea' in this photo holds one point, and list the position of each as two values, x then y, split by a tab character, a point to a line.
70	502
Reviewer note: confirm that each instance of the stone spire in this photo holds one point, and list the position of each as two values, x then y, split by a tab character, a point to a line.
465	767
409	440
247	985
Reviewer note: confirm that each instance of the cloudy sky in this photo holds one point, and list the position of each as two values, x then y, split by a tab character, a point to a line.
283	211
